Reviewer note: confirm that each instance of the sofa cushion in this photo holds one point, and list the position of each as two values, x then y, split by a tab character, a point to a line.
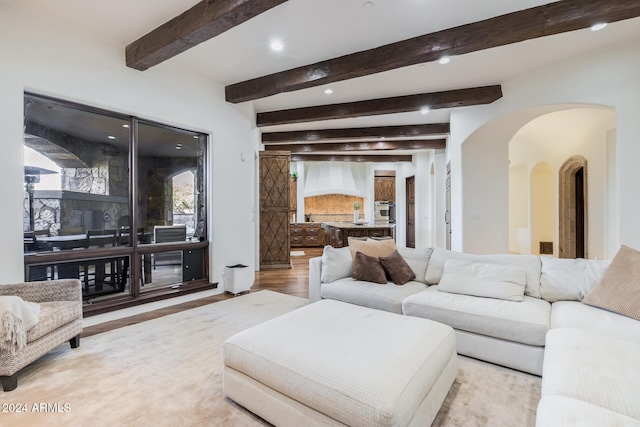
593	368
368	269
367	294
619	289
418	260
336	264
563	411
397	268
529	263
53	315
370	247
572	314
524	322
483	280
564	279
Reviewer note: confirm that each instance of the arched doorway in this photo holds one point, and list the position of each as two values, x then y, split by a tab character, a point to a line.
573	209
552	134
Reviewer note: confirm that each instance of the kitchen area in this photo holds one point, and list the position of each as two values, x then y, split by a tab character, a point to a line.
345	203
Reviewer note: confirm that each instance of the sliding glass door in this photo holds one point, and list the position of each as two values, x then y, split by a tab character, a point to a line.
170	199
113	200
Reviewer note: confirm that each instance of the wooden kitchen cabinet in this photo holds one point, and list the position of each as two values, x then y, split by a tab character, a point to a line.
384	188
337	235
307	234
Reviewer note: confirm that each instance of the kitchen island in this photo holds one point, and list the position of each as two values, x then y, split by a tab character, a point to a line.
336	234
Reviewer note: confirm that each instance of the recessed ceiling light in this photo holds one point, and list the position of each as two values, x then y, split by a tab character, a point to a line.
367	5
328	91
178	146
425	110
599	26
276	46
111	137
444	60
125	126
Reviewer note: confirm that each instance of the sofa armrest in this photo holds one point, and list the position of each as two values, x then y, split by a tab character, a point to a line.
315	275
44	291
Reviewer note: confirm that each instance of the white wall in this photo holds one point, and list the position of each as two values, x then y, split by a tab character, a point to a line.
439	199
424	200
518	208
486	210
49	58
543	207
611	200
608	78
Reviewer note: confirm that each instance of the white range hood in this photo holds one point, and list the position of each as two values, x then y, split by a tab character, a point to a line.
335	178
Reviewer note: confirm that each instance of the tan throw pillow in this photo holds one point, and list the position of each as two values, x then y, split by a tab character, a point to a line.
373	248
397	268
368	269
619	288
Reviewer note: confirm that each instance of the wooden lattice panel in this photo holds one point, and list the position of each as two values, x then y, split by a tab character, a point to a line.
274	210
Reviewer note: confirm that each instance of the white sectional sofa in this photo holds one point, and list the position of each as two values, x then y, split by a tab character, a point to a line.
589	357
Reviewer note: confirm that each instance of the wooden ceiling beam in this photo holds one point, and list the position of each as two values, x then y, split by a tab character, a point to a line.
407	131
348	158
541	21
373	107
202	22
419	144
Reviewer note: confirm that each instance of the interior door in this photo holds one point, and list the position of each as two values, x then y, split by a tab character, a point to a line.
411	212
580	214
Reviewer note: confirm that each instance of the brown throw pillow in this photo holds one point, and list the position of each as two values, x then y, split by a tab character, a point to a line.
368	268
374	248
619	288
397	268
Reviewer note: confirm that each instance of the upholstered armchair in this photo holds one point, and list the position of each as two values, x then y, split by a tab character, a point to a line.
60	320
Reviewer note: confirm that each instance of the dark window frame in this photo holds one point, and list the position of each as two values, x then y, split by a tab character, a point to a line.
133	250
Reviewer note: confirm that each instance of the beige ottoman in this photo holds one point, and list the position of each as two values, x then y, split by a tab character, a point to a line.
333	363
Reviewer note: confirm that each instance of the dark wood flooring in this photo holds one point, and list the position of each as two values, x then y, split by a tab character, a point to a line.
293	281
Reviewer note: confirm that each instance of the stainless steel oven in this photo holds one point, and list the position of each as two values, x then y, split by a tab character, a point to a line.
382	211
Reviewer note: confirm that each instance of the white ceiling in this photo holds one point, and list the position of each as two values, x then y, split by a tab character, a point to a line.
315	30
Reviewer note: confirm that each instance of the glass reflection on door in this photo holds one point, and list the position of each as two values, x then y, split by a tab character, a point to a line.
76	173
171	199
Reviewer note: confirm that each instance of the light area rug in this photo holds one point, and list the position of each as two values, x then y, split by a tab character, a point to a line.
167	372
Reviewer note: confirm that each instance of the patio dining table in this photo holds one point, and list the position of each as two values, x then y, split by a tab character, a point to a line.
71	241
75	241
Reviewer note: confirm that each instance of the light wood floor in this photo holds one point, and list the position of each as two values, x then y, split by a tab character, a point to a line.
293	281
